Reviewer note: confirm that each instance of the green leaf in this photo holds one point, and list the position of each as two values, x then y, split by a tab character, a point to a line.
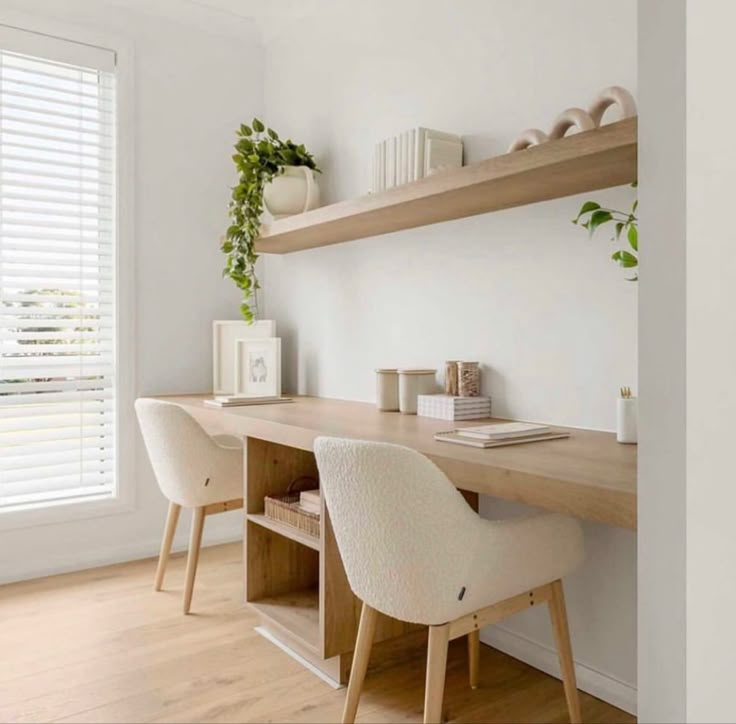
273	134
258	126
619	229
633	236
588	206
625	259
635	206
598	218
246	130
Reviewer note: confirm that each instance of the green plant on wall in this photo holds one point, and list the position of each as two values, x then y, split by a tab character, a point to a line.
260	155
593	216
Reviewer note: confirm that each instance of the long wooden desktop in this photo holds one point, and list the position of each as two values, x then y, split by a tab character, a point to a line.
297	583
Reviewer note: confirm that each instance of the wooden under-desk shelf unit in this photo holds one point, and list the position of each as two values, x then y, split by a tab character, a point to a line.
296	581
597	159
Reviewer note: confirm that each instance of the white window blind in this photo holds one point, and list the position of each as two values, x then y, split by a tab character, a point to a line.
57	270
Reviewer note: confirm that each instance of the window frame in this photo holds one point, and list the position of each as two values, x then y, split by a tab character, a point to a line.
123	500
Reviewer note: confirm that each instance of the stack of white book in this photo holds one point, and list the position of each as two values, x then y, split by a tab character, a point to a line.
498	434
310	501
447	407
413	155
240	400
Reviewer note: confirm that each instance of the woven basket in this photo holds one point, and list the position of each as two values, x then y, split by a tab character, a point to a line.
285	508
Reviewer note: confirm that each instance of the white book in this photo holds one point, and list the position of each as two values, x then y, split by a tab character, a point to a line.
404	158
441	154
382	173
419	134
412	153
390	162
245	401
503	431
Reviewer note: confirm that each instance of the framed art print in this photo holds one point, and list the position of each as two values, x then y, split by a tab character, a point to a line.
225	333
258	367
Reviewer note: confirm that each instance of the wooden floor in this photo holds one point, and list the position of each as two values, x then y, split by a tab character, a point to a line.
101	646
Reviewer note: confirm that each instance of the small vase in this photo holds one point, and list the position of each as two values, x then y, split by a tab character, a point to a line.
293	191
627	413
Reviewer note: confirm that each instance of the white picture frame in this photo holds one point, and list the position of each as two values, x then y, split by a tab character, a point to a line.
225	333
258	367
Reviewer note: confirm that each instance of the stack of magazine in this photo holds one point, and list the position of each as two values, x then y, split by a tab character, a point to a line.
240	400
500	434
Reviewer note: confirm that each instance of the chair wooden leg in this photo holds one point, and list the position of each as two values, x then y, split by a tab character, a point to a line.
195	541
434	689
474	657
361	655
163	557
558	613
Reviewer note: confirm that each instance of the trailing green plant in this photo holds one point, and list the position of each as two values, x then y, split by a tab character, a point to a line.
593	216
260	155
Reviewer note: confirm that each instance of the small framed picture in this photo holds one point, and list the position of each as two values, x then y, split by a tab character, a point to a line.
258	367
225	333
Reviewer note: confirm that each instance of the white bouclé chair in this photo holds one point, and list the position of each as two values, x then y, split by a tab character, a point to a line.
413	549
193	471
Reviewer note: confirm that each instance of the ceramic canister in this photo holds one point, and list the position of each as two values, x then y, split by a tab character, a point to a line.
387	389
413	383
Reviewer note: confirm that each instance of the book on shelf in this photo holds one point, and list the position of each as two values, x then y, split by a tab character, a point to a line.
453	436
310	501
504	430
241	401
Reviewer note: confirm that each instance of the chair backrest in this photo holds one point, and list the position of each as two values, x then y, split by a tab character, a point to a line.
191	468
405	533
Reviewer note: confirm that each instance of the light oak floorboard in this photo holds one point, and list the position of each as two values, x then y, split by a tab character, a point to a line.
100	646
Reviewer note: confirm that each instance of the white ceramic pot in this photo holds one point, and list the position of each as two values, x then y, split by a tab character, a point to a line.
291	192
413	383
387	389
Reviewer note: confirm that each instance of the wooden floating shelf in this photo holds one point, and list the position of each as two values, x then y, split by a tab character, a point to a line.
597	159
288	531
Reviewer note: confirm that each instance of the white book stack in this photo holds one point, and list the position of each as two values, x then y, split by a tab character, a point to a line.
310	501
413	155
446	407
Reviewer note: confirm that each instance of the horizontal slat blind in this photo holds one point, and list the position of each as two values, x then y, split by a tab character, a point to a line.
57	272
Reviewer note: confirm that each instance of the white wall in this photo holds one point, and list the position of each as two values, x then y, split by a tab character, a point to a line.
711	361
523	291
662	368
196	79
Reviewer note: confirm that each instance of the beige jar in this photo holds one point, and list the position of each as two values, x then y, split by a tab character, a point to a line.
413	383
387	390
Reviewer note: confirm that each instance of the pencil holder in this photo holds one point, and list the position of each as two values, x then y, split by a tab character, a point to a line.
627	413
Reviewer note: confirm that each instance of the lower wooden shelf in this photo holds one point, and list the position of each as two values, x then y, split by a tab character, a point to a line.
297	612
288	531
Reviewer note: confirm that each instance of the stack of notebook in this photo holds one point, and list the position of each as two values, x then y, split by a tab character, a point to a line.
499	434
239	400
447	407
310	502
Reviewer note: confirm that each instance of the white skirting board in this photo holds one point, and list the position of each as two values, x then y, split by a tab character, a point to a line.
600	685
132	551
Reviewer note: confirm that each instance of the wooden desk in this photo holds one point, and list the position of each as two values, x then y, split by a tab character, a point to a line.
297	582
587	476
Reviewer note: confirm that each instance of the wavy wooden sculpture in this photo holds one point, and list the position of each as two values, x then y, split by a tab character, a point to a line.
530	137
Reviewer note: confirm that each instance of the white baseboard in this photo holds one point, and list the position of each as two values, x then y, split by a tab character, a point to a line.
600	685
80	561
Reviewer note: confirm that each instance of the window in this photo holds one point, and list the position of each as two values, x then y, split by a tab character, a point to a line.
57	271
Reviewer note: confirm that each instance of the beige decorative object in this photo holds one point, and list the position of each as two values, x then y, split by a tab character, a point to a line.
451	379
571	118
530	137
387	390
292	192
614	95
468	379
413	383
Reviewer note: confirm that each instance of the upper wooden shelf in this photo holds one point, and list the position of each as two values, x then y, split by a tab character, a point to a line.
582	162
